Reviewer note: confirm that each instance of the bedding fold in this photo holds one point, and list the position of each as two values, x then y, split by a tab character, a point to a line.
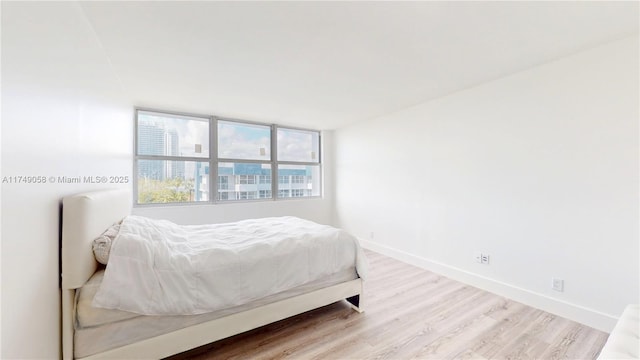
160	268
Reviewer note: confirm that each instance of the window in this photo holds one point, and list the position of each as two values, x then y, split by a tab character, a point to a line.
244	141
246	179
298	162
172	158
244	150
298	193
298	179
178	157
264	179
298	145
244	175
223	182
246	195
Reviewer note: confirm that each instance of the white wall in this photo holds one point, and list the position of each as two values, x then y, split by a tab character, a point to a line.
63	114
538	169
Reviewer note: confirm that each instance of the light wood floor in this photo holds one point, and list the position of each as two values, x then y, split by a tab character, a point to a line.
411	313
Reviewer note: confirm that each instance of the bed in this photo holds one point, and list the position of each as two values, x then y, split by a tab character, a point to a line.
87	335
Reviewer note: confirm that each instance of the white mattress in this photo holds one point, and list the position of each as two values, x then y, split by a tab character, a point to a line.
98	330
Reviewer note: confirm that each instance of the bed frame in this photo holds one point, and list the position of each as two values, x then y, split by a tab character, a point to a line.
86	216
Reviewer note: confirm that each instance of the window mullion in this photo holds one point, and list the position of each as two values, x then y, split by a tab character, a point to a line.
172	158
244	161
136	189
274	162
213	160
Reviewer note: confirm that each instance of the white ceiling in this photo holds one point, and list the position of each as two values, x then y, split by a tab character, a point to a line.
324	65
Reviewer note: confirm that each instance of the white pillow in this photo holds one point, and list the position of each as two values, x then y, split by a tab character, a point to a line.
102	244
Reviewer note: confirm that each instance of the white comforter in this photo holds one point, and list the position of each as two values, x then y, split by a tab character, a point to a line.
159	268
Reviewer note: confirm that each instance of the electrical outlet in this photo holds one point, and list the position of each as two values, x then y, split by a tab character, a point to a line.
371	235
557	284
481	258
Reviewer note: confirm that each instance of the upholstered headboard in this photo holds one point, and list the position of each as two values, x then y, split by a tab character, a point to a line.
84	217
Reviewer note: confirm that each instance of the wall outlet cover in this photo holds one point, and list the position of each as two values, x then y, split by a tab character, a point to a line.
557	284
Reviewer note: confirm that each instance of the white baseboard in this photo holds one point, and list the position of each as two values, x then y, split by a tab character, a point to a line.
581	314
